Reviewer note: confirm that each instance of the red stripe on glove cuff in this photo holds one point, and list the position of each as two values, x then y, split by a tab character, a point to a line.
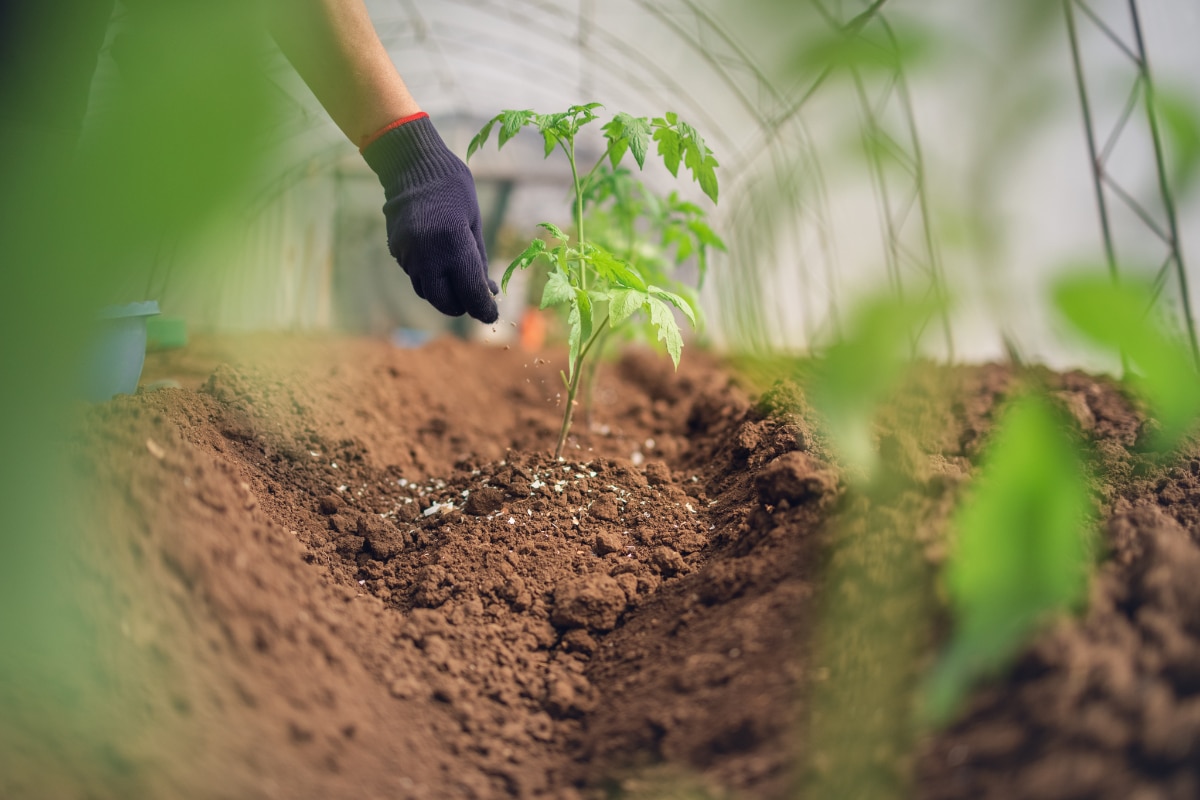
389	127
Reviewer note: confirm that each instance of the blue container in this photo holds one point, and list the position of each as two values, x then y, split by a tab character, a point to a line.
117	351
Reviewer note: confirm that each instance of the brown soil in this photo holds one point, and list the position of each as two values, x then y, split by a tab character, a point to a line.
336	569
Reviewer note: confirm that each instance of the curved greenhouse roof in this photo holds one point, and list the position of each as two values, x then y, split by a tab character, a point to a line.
926	149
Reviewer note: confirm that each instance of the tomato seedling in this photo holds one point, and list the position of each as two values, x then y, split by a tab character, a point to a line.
589	279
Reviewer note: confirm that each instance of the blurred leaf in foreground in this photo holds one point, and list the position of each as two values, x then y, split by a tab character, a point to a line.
1180	120
859	371
1021	553
1120	319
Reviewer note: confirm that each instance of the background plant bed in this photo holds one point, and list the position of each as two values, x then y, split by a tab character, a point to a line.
289	621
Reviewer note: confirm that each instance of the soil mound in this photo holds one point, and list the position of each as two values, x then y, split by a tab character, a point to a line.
334	568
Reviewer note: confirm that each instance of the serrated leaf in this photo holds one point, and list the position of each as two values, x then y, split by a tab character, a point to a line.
628	132
615	269
669	148
558	290
536	247
668	330
554	230
481	138
549	122
679	302
622	304
511	122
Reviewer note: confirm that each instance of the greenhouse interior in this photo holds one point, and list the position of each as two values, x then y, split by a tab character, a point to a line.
577	399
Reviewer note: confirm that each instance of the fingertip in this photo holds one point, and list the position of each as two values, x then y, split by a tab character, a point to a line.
486	313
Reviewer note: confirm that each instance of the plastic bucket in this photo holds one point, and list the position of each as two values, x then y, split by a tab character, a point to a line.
117	350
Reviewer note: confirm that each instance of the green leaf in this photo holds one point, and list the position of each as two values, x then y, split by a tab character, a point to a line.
536	247
511	122
700	161
669	147
554	230
550	140
835	49
1021	551
705	235
682	304
707	176
859	371
668	330
562	257
558	290
1120	319
1181	123
554	129
616	150
628	132
615	269
623	303
481	137
580	323
579	116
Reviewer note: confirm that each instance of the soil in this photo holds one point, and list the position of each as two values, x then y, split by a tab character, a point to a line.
333	568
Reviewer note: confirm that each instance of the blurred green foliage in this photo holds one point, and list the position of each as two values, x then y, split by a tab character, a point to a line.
1123	320
859	371
1020	551
169	144
1180	124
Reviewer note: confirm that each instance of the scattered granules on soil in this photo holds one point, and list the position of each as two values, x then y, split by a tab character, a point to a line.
332	568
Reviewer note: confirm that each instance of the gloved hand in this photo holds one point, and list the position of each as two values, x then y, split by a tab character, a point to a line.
433	224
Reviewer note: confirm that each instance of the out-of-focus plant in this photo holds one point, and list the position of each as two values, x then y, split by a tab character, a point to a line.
1021	552
173	141
858	372
586	277
1180	122
1121	318
876	600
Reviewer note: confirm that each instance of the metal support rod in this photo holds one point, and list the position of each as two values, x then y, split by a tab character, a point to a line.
1089	130
1163	186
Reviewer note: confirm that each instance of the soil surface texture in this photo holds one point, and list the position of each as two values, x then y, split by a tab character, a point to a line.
333	568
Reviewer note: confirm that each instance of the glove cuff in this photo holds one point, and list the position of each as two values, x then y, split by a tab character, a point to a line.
408	152
367	141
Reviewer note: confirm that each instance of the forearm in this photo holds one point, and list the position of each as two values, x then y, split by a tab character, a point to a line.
335	49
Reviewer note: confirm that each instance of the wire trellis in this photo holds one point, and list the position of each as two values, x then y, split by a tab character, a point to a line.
1161	224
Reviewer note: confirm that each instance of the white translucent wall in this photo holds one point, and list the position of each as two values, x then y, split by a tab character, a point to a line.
996	115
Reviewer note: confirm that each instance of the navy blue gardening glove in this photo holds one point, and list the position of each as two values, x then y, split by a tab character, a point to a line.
433	222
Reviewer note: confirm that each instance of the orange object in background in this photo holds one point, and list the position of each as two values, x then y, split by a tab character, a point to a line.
532	330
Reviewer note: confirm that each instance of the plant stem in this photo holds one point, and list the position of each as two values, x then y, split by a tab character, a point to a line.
573	387
589	380
578	211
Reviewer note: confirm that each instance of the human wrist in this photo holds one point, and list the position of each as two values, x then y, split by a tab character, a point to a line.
410	154
368	139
